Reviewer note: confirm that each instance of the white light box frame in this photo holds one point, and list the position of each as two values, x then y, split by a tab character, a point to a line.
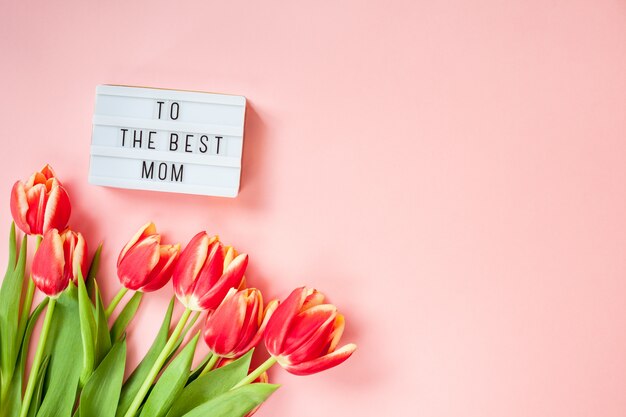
167	140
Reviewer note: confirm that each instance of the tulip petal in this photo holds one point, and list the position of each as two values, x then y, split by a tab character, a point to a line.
310	333
250	327
69	243
338	327
235	270
320	364
36	197
57	210
223	327
315	298
36	178
136	266
212	269
190	262
242	284
144	231
162	272
79	257
229	254
271	307
306	323
19	206
280	322
47	172
48	265
209	297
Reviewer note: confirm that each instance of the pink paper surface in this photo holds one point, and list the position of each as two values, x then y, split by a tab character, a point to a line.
450	173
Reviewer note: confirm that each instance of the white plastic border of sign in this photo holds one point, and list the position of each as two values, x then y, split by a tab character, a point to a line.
195	146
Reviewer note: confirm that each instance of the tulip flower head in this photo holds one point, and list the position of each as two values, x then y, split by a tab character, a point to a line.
59	259
144	264
40	204
303	334
237	325
206	271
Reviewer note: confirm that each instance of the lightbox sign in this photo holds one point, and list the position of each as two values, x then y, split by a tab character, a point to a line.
167	140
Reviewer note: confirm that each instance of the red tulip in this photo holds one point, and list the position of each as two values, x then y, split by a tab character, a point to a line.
303	334
238	323
58	261
40	204
206	271
144	264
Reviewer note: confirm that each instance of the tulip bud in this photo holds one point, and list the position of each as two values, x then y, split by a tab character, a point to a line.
58	261
40	204
237	325
303	333
144	264
204	273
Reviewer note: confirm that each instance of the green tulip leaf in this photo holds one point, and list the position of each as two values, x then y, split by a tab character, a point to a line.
90	282
235	403
12	407
126	316
195	373
10	294
66	351
13	401
103	338
102	390
171	382
136	379
210	386
12	248
87	329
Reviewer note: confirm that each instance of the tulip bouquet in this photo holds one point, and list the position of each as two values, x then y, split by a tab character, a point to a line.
79	360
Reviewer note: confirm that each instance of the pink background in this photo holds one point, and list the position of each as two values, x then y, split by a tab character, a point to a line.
450	173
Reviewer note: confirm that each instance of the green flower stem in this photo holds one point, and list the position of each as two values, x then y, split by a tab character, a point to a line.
257	372
210	364
30	292
32	378
158	364
115	301
190	324
28	301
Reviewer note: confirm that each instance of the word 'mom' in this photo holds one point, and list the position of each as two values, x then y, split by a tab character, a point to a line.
166	140
162	171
